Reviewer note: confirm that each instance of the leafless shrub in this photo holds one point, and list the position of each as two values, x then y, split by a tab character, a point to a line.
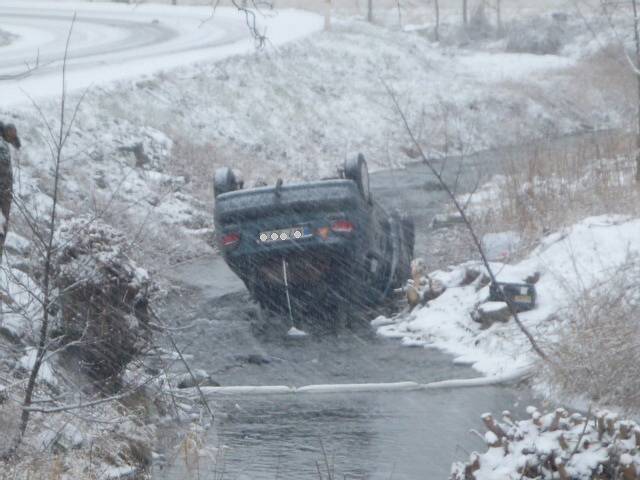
598	348
551	184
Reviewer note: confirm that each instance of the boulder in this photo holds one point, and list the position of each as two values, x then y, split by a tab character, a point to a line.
489	313
199	378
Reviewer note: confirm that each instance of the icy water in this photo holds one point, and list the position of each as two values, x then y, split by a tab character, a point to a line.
401	435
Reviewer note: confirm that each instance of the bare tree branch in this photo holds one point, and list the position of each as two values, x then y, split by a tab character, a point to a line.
186	364
466	221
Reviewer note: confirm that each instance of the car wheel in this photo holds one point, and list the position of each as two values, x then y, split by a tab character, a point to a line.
356	169
224	180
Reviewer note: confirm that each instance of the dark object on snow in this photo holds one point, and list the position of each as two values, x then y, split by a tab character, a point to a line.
198	378
139	154
446	221
257	359
9	134
522	295
339	246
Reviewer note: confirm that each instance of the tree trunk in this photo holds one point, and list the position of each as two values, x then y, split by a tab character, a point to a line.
370	11
636	34
327	15
499	15
437	31
6	191
465	17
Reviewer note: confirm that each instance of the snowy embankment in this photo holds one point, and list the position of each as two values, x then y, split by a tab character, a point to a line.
568	262
142	151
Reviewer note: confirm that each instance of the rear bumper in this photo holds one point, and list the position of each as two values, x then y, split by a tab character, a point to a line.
305	266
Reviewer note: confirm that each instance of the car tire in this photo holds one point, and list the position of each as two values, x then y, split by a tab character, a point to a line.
356	169
224	180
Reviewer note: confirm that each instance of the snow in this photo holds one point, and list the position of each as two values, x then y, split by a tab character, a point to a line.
489	307
296	333
45	374
15	242
119	472
315	99
500	246
116	41
569	261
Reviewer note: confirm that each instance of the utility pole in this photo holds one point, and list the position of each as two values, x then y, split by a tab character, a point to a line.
327	15
370	11
465	17
437	32
636	35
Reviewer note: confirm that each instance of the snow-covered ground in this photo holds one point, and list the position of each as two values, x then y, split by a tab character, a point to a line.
569	262
292	111
115	41
141	151
173	93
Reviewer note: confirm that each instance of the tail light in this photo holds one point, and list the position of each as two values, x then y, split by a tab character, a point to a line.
343	226
230	239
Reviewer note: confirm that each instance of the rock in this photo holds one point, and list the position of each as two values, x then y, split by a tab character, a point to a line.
491	312
257	359
434	290
200	378
139	154
433	186
533	279
100	180
69	438
445	221
17	245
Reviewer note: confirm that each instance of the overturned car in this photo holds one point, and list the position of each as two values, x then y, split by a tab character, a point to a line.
317	246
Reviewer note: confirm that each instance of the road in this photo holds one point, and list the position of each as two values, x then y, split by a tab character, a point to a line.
112	41
402	435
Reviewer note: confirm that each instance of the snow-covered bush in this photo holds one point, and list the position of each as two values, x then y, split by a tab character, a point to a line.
539	35
597	352
103	296
555	445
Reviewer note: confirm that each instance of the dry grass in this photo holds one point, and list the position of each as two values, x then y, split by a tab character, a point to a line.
553	184
597	353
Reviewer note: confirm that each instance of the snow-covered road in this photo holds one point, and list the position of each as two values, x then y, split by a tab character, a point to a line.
116	41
